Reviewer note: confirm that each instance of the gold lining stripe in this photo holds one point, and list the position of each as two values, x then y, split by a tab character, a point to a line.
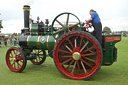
28	40
48	41
38	42
26	9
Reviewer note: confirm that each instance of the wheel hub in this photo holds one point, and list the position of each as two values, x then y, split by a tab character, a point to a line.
14	60
76	56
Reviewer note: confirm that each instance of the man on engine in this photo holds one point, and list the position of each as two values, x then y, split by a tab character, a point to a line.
96	23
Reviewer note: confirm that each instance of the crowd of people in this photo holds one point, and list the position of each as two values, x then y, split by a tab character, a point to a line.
8	41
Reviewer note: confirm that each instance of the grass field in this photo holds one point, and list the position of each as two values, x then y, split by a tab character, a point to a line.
47	74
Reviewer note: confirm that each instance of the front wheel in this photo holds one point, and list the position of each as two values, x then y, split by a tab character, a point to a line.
78	55
15	59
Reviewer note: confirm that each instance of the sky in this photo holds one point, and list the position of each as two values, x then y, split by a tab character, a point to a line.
113	13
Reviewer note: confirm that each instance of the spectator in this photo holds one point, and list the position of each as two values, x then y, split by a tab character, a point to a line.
5	41
15	41
11	41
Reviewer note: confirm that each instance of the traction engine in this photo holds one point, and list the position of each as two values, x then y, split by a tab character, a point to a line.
77	54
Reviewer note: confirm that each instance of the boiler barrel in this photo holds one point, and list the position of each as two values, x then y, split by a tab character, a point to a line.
45	42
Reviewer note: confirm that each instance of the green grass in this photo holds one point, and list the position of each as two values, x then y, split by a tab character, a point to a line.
47	74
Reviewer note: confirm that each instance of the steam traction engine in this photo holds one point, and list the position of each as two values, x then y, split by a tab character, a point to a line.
77	54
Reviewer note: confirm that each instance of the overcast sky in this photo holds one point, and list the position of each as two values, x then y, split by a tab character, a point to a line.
113	13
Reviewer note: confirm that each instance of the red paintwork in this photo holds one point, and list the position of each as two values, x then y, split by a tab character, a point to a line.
109	39
18	59
76	49
64	70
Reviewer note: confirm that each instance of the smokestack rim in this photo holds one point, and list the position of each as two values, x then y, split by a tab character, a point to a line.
26	8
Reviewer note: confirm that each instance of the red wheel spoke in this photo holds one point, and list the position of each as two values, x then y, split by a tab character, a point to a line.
73	25
11	57
10	60
83	67
78	66
60	23
70	64
88	49
18	65
70	43
65	51
67	20
90	59
68	48
14	65
73	67
75	42
66	61
89	54
84	46
11	54
86	62
81	42
14	51
67	56
21	61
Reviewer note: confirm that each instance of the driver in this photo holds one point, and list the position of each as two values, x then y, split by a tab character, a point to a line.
96	23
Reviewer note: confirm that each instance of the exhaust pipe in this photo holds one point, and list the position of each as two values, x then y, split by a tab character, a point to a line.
26	9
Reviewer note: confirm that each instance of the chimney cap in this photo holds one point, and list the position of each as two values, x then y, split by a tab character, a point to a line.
26	6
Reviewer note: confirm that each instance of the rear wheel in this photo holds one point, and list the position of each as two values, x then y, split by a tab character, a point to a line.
15	59
40	56
78	55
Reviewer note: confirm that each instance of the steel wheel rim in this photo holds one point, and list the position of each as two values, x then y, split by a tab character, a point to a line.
64	70
16	55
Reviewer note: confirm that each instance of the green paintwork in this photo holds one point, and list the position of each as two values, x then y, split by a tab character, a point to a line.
26	51
33	41
65	27
46	42
108	57
34	28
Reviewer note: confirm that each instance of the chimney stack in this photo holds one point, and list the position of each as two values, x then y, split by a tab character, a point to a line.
26	10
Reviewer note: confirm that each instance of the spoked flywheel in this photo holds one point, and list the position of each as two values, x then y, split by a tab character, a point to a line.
78	55
40	56
59	28
15	59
